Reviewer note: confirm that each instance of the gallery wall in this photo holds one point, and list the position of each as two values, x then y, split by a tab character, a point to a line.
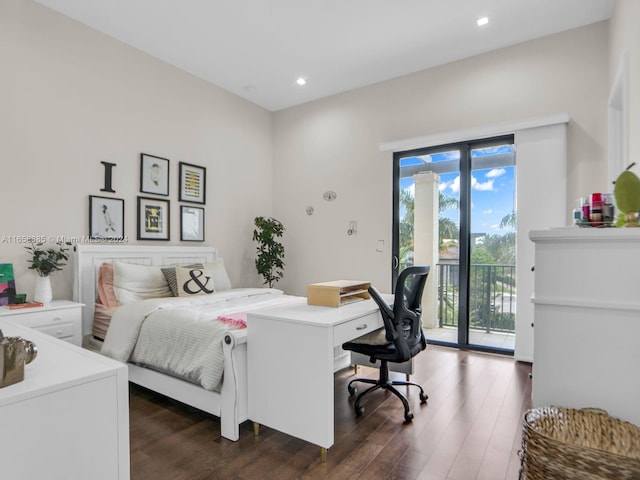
73	97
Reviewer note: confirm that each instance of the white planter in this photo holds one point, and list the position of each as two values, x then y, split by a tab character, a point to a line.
43	291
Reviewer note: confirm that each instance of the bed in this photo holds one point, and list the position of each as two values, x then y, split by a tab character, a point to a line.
229	400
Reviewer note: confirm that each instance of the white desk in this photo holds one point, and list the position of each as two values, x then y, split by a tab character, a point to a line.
290	354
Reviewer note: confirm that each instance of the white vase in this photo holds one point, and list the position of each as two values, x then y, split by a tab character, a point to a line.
43	291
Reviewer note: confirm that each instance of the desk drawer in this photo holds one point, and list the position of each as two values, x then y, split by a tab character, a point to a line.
356	328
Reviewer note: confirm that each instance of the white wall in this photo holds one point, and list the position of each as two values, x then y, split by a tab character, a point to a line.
625	36
71	97
333	144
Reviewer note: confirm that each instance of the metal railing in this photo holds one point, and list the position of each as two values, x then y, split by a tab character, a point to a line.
492	297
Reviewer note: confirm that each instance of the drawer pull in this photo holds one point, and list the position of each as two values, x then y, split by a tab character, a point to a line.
362	327
57	319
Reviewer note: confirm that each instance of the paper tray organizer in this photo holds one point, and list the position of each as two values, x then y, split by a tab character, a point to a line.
337	292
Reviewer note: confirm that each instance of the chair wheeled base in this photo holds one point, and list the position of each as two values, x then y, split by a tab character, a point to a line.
384	383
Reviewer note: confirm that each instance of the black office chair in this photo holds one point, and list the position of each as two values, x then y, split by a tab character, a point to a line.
400	340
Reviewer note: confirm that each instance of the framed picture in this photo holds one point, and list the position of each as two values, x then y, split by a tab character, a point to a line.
154	175
191	224
193	183
153	219
106	218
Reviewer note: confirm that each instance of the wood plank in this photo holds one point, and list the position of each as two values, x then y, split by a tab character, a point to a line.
469	429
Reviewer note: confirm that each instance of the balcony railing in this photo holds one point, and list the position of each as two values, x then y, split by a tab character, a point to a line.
492	297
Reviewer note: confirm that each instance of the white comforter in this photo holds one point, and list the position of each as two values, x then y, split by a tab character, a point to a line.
182	336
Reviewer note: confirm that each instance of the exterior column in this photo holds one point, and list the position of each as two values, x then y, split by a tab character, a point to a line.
426	244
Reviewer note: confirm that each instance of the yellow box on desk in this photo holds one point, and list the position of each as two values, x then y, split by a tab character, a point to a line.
337	292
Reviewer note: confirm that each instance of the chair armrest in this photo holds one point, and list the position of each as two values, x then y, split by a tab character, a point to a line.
387	314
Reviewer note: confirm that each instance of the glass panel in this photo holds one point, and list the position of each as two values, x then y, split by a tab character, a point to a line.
492	288
423	201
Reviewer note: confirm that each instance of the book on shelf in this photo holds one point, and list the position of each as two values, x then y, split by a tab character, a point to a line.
14	306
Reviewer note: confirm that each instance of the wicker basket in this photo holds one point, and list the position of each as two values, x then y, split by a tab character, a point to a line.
586	444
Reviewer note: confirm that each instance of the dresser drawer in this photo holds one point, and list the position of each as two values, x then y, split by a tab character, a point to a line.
63	331
49	318
355	328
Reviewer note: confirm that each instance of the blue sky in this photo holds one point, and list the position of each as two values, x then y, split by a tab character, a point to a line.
492	191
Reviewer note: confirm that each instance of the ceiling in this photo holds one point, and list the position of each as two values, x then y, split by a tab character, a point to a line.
258	48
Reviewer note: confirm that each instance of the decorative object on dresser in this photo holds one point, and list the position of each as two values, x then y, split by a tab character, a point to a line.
270	259
154	175
106	218
153	219
15	353
193	183
627	195
59	318
45	262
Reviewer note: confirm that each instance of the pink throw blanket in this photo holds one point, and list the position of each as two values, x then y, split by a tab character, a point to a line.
237	319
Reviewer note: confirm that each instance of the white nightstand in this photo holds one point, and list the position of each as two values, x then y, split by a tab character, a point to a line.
60	318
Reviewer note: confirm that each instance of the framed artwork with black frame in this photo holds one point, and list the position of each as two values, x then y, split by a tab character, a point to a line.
193	183
154	175
106	218
153	219
191	224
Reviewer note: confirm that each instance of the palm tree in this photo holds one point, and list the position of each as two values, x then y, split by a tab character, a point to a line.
447	227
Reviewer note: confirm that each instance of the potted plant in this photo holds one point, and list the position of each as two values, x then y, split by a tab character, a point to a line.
45	261
270	259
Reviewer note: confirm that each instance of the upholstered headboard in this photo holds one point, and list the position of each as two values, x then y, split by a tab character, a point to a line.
88	258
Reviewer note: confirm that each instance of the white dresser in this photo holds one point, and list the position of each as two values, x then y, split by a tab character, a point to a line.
60	318
587	319
69	418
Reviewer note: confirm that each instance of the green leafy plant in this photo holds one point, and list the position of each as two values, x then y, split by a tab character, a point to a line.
45	261
270	259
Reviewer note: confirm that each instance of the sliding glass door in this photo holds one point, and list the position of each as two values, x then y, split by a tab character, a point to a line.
454	209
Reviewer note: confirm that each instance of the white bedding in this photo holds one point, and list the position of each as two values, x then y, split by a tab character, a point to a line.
182	336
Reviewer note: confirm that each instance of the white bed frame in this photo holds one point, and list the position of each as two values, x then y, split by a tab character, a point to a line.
230	404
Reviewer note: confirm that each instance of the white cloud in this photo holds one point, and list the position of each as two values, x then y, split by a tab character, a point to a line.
487	212
495	172
455	184
482	186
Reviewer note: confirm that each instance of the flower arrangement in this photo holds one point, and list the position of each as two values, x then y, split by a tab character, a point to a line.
46	261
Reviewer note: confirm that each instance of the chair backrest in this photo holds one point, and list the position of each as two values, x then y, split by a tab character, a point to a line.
403	323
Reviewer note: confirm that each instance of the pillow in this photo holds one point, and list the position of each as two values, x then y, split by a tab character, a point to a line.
194	281
106	293
170	274
221	280
133	283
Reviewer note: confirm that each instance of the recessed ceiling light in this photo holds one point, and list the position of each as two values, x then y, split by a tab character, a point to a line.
301	81
482	21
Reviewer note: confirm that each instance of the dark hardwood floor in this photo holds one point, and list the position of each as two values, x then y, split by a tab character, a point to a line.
469	429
